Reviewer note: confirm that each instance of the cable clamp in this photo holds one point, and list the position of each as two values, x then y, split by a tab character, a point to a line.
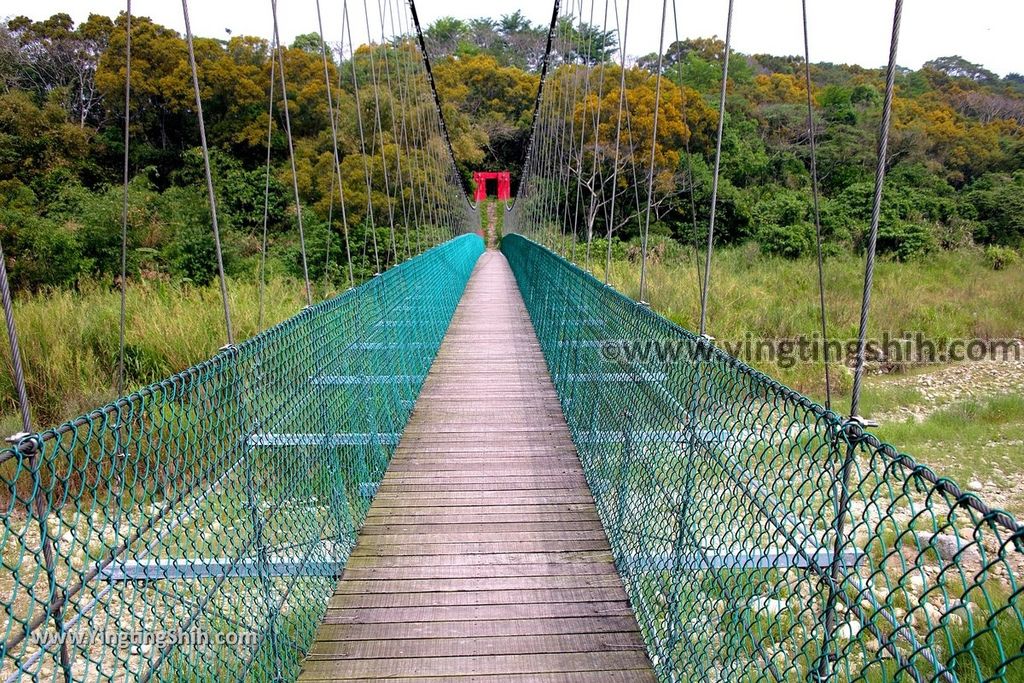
15	438
862	422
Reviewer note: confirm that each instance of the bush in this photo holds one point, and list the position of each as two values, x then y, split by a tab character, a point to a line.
999	258
998	201
41	252
791	241
905	240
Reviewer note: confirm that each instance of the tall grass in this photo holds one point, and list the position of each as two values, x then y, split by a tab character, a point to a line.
950	294
69	339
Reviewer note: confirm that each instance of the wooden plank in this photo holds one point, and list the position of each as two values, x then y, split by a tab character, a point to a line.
448	526
504	628
368	559
441	572
477	646
487	516
624	676
488	538
352	585
463	549
482	557
389	599
474	665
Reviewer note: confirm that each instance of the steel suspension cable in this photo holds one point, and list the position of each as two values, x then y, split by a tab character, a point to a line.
427	215
394	129
124	200
618	133
718	166
817	211
334	146
876	209
379	131
347	28
544	67
597	170
402	69
689	160
291	155
266	189
40	509
654	146
585	52
437	100
209	175
553	146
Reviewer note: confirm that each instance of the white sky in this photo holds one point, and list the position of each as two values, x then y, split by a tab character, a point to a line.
843	31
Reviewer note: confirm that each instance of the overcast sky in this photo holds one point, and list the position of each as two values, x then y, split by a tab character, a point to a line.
846	31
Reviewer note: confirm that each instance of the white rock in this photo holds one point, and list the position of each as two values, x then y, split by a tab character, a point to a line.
975	485
769	606
849	630
77	562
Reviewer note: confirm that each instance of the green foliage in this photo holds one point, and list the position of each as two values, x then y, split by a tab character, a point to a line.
48	254
1000	257
998	203
792	241
905	240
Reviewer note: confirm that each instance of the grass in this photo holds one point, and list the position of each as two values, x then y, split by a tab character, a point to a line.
69	339
953	295
968	440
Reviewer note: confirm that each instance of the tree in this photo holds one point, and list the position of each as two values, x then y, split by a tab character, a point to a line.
958	67
586	43
57	56
445	35
311	43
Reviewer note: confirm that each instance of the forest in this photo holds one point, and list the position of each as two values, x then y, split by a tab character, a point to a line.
956	173
955	181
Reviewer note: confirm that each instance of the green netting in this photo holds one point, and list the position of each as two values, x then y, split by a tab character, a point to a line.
193	530
747	553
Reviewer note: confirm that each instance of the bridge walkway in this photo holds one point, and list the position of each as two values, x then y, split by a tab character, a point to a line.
482	557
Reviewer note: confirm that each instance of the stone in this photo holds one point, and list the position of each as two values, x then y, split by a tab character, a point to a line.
975	485
849	630
769	606
948	545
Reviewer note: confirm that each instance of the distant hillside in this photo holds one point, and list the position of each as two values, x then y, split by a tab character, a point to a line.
957	150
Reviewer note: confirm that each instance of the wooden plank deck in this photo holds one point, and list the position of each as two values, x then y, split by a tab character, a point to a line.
482	557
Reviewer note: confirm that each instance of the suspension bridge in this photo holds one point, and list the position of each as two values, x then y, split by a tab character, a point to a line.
441	474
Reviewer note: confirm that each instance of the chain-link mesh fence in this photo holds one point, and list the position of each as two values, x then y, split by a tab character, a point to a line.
760	537
193	530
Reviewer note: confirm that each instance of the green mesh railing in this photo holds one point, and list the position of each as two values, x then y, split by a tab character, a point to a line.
760	537
194	529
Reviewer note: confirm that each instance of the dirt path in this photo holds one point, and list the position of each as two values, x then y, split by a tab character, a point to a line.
492	225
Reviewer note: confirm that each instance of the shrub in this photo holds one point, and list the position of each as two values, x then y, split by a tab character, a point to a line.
791	241
905	240
999	258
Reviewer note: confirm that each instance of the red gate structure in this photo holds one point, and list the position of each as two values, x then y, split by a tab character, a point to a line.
504	179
